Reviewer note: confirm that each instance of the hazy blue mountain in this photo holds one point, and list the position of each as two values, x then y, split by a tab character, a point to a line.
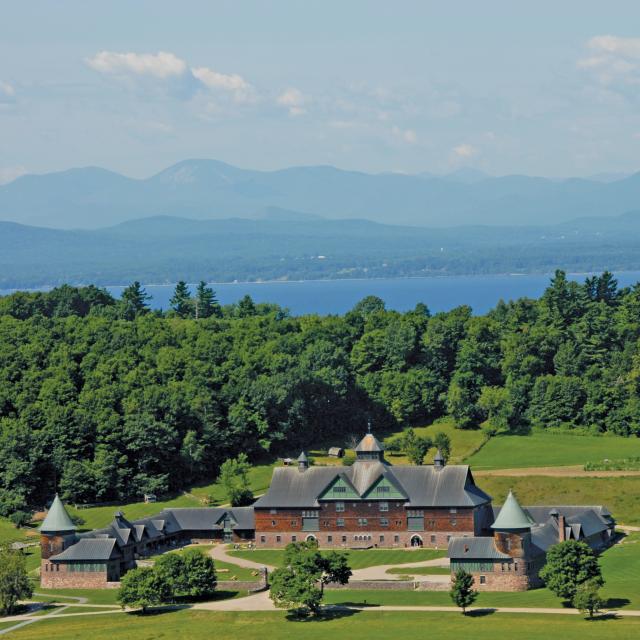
207	189
292	246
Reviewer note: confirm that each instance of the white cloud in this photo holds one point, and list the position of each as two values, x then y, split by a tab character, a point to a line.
215	80
406	135
9	174
158	65
464	151
628	47
615	60
6	90
294	100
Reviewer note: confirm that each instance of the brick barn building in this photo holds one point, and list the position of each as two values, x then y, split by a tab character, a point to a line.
371	503
365	505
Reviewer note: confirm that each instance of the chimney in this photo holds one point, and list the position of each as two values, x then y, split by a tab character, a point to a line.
303	462
562	532
438	461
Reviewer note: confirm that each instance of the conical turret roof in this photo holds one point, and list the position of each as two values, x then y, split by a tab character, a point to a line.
303	457
512	515
57	519
369	444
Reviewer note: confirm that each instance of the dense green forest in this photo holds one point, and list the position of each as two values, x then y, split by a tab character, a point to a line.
105	400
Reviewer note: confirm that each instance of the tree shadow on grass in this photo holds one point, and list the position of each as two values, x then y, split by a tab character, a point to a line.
603	617
480	613
325	614
158	611
616	603
348	603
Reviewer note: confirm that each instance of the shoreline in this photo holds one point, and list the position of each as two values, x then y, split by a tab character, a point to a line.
569	274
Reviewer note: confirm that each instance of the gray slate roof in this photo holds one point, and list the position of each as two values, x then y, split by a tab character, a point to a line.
474	549
423	486
88	549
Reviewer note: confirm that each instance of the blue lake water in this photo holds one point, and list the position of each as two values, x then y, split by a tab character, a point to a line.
337	296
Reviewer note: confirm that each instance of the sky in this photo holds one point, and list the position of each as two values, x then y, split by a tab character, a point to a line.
544	88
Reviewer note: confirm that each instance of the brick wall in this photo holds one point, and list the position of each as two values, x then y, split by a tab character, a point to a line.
50	578
279	527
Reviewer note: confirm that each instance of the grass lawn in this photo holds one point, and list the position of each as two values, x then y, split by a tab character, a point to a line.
357	559
10	533
551	450
68	596
620	495
369	625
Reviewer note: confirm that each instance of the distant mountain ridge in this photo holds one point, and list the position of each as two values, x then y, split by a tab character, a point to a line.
92	198
288	245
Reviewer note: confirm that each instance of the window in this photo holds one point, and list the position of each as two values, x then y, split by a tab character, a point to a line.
278	538
339	522
325	523
339	489
362	522
381	538
294	523
415	513
344	538
273	523
508	544
398	523
382	489
339	507
515	566
384	506
454	522
272	511
453	510
384	522
329	538
310	514
448	538
294	538
263	539
502	565
433	539
483	579
396	538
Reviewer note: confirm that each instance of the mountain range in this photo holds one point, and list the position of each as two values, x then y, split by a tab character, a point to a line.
93	198
288	245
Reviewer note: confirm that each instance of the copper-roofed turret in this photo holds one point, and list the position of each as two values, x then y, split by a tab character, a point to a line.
369	448
57	519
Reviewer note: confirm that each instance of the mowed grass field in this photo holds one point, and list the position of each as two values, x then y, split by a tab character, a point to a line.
620	495
357	559
365	625
541	449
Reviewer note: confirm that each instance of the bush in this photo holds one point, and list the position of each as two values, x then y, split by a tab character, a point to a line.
21	518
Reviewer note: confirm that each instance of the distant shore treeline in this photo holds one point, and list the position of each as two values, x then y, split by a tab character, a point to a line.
105	399
155	249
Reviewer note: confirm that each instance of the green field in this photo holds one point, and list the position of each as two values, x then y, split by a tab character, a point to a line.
369	625
620	495
551	450
357	559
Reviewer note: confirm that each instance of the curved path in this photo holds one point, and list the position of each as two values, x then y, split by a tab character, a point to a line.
379	572
220	552
574	471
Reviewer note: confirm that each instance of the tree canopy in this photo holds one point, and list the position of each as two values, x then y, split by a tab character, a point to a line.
108	400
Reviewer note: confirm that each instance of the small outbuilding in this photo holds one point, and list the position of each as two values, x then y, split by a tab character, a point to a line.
150	497
336	452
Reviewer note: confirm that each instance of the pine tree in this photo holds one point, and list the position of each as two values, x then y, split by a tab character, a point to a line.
206	302
181	301
134	301
462	592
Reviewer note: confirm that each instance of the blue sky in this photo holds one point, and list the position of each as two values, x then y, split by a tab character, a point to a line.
544	88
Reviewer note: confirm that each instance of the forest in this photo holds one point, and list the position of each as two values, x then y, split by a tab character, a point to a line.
104	399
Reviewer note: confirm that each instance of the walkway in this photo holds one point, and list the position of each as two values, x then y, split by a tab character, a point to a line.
379	572
574	471
220	552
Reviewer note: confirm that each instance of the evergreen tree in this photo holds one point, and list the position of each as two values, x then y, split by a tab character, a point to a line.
206	303
462	592
181	301
133	301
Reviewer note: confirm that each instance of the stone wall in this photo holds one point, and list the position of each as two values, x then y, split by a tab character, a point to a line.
60	578
391	585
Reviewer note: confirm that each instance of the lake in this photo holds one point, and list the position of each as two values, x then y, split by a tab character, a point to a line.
337	296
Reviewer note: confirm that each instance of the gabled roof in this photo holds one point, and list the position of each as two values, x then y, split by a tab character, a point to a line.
512	515
421	486
88	549
57	519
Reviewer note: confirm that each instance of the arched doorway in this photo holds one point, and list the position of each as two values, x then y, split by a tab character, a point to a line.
311	539
416	541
